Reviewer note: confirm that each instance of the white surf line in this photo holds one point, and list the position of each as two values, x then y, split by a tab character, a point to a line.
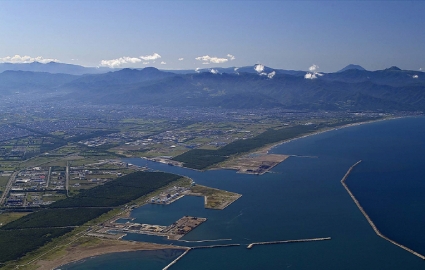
368	218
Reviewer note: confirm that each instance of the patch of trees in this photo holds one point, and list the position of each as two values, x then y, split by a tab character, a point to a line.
16	243
120	191
49	218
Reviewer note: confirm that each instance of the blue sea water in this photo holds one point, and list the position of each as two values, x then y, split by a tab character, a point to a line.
303	198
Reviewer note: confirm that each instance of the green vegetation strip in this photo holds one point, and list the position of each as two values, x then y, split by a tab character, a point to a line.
49	218
32	231
15	244
202	158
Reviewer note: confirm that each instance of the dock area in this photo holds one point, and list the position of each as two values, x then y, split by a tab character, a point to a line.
288	241
368	218
174	231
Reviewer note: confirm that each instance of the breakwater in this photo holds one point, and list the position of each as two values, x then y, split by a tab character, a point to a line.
178	258
216	246
288	241
369	219
201	241
198	247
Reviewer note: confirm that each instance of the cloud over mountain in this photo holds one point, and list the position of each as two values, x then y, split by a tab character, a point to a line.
150	57
26	59
208	59
313	72
113	63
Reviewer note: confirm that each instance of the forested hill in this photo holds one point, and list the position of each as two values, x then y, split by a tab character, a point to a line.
351	89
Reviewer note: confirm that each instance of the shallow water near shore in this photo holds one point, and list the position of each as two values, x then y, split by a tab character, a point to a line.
303	198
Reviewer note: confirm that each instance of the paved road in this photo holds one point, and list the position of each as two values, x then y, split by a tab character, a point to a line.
8	187
67	179
48	177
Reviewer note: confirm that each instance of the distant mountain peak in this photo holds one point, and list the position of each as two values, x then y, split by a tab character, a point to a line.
393	68
352	66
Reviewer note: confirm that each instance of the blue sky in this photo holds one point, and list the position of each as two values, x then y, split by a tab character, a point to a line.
279	34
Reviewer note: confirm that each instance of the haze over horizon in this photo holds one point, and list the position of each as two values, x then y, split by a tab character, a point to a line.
189	35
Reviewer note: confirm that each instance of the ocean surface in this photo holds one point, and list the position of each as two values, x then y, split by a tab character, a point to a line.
303	198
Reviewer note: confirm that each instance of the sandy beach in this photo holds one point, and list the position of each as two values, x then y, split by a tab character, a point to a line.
89	249
268	148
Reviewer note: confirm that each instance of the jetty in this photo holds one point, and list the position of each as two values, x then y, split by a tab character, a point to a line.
288	241
216	246
198	247
178	258
201	241
369	219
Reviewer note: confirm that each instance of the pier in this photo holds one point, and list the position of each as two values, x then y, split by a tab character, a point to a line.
289	241
368	218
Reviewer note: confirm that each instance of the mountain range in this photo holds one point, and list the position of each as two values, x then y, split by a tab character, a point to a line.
350	89
53	67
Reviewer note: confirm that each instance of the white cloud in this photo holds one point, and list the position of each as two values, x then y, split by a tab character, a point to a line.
214	71
150	57
231	57
420	69
271	74
197	70
113	63
208	59
310	76
145	63
415	76
313	68
181	59
313	72
259	68
26	59
163	63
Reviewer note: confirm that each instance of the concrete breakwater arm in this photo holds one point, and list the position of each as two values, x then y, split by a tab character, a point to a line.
216	246
178	258
187	250
289	241
368	218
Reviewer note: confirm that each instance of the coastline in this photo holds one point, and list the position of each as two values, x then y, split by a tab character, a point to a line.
83	251
268	148
75	254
